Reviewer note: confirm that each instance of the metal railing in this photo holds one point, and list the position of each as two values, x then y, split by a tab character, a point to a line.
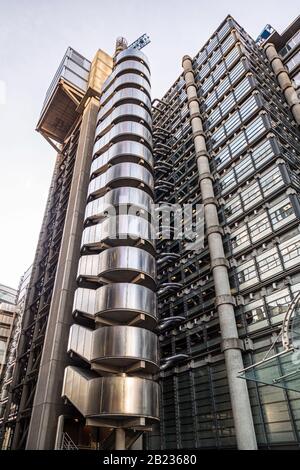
67	443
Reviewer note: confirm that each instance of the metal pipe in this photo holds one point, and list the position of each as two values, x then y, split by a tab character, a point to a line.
169	321
243	421
59	432
284	80
120	439
173	360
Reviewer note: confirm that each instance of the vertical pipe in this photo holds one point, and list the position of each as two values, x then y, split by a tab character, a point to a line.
231	345
59	432
284	81
120	439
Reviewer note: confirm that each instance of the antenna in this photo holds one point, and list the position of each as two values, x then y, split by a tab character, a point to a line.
141	42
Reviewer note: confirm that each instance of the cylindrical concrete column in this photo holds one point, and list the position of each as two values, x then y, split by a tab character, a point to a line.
243	421
284	80
120	439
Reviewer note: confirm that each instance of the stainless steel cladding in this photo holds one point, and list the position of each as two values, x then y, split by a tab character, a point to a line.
120	152
119	264
122	112
121	174
118	347
117	269
125	229
126	196
119	302
123	130
111	397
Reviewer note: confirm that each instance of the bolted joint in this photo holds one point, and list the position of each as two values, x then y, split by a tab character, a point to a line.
232	343
216	263
224	300
199	134
205	176
202	153
210	200
193	98
215	229
195	115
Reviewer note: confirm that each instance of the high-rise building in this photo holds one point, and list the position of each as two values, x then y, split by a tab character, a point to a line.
224	141
8	297
7	409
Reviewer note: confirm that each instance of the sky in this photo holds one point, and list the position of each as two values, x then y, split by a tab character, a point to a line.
34	35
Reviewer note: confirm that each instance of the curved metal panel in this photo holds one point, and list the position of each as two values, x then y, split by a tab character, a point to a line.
81	341
127	111
125	95
126	81
134	54
135	198
118	397
125	174
124	229
123	345
120	302
120	152
115	346
127	65
119	264
121	131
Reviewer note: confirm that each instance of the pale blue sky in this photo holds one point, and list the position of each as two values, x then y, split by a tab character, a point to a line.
34	35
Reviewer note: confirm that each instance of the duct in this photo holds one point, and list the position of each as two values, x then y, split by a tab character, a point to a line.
121	174
111	397
168	322
125	95
169	287
125	228
137	200
120	303
163	163
121	113
124	130
173	360
241	408
116	348
121	152
164	257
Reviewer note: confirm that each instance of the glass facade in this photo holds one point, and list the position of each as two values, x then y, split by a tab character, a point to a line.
254	154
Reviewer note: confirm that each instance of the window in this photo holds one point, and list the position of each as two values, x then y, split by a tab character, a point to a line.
278	303
271	180
2	351
256	314
292	43
240	238
248	273
278	215
244	168
233	208
259	226
269	262
296	80
294	61
262	153
251	195
290	251
227	181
